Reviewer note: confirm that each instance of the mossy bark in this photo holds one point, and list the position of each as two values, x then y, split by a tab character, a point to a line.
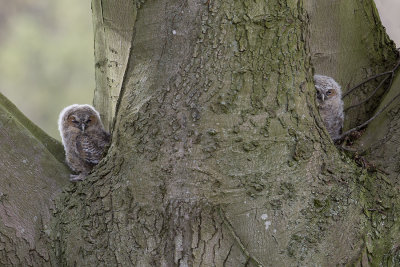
31	176
219	156
351	46
349	43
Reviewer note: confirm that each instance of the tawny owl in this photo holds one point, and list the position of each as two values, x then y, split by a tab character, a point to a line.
330	104
83	137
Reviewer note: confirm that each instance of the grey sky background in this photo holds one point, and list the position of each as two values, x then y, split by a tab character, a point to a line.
389	11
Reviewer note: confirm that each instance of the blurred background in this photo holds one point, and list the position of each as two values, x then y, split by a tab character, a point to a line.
46	54
389	11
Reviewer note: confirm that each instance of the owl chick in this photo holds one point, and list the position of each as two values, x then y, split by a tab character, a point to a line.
330	104
83	137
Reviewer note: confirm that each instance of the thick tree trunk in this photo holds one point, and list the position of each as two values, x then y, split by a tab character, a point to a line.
219	156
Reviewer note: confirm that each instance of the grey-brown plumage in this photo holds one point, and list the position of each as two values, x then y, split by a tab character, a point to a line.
330	104
83	137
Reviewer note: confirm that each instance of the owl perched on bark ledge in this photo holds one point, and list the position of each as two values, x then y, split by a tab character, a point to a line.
330	104
83	137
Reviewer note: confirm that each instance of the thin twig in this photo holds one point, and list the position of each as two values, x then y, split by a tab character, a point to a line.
391	80
371	119
391	72
372	94
365	81
373	77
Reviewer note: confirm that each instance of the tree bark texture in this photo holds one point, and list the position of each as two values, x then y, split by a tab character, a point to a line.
219	156
349	43
31	176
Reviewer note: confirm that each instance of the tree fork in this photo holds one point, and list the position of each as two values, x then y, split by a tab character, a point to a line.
217	108
219	156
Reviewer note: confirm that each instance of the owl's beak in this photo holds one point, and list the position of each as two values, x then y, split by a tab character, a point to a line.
83	127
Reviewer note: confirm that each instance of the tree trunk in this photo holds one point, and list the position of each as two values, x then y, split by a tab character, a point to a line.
348	42
219	156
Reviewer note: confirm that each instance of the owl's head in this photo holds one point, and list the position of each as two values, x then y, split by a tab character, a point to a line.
327	88
79	118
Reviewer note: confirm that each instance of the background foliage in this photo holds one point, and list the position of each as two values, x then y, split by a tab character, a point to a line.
46	56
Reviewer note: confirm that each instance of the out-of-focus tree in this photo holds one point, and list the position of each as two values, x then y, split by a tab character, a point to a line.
46	55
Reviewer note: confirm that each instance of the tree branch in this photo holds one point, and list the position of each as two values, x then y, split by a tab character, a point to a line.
391	72
371	119
371	78
365	81
368	98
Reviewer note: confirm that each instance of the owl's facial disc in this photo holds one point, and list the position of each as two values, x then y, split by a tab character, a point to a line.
74	120
87	122
90	120
320	95
330	93
77	122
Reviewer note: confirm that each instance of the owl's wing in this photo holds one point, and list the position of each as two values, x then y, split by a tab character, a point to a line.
91	148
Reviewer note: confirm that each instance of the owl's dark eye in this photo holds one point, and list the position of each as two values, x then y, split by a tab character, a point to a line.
88	121
75	121
329	92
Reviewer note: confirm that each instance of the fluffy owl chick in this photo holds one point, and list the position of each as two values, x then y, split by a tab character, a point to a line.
330	104
83	137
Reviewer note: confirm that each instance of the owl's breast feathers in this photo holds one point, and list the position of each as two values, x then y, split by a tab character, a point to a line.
91	147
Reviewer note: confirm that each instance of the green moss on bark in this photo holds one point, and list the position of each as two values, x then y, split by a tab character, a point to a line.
54	146
219	155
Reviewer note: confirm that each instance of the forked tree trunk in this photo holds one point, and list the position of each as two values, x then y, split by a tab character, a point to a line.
219	156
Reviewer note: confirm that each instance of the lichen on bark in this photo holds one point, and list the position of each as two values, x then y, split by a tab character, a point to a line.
219	156
31	177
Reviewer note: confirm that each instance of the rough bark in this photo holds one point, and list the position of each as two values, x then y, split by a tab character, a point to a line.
219	156
113	29
31	176
349	43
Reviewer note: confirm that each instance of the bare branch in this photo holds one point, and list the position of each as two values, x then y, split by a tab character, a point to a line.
391	72
371	119
365	81
368	98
